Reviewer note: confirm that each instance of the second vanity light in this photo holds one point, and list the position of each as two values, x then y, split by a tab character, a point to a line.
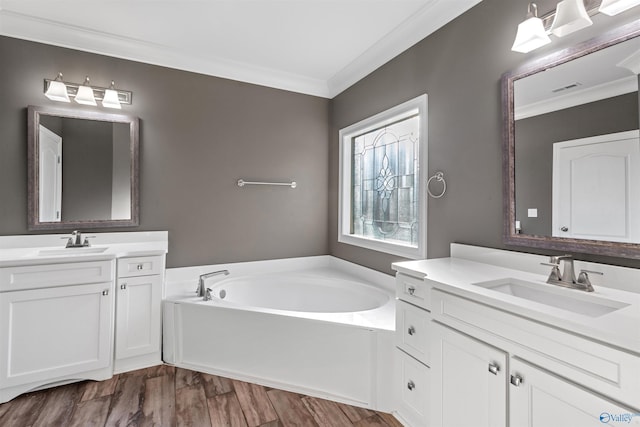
569	16
61	91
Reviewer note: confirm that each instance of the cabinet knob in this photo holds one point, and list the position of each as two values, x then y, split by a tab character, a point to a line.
123	286
565	228
411	330
139	266
493	368
516	380
105	292
411	290
411	385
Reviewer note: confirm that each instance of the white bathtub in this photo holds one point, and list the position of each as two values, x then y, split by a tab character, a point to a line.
318	325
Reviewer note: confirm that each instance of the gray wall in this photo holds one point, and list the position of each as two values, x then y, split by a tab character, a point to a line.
87	159
535	137
459	67
199	135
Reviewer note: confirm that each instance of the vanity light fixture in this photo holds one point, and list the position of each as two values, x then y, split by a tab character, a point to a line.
614	7
110	99
84	95
531	33
58	90
571	16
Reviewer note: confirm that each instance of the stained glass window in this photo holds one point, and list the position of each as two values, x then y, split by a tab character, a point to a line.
384	195
381	201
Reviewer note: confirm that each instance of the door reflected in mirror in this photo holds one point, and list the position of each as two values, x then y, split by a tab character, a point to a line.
82	169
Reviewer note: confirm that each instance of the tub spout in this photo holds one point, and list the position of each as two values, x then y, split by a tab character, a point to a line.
202	289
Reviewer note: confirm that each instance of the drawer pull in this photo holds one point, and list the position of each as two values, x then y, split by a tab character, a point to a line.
516	380
493	368
411	330
105	292
411	290
140	267
411	385
123	286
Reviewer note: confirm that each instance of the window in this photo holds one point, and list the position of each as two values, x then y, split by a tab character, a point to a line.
382	202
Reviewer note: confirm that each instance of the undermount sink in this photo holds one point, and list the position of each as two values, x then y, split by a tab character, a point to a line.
72	251
576	301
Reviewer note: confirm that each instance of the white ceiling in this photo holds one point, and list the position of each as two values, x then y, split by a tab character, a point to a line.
317	47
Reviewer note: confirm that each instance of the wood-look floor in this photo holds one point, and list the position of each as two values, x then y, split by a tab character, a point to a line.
168	396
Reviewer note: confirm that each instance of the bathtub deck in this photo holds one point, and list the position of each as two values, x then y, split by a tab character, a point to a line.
168	396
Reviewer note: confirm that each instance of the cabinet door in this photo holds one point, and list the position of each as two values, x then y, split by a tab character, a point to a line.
54	332
469	381
540	399
138	320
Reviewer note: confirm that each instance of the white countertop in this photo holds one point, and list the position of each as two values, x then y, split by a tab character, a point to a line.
620	328
25	250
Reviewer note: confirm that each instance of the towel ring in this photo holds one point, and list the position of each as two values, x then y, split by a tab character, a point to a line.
439	176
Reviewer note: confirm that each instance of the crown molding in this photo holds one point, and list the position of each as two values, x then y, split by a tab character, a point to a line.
55	33
433	16
579	97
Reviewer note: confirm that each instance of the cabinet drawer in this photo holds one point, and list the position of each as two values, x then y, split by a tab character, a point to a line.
413	290
140	266
412	330
605	369
48	275
414	389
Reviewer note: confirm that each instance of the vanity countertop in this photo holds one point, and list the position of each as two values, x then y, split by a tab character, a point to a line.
458	276
32	249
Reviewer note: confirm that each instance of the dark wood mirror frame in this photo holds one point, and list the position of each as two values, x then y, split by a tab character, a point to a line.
510	237
33	122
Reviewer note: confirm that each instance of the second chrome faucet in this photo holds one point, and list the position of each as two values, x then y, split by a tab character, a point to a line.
568	276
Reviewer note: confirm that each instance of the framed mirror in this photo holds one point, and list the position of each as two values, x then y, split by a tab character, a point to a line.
82	169
571	148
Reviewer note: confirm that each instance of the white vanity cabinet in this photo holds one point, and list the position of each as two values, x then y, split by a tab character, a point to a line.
412	349
55	324
509	370
138	312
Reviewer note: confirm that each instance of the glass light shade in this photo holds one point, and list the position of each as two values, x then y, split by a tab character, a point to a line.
85	96
531	35
110	99
614	7
57	91
571	16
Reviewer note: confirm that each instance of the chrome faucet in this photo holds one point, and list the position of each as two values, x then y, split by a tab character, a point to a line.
75	241
568	276
202	290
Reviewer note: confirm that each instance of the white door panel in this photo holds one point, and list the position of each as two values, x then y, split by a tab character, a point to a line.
596	188
50	175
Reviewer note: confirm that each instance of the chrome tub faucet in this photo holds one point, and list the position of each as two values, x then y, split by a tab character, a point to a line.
202	290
